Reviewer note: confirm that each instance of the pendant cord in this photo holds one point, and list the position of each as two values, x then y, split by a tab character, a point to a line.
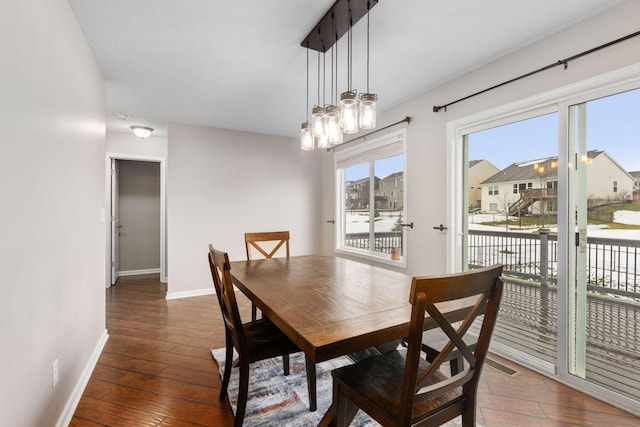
368	48
307	93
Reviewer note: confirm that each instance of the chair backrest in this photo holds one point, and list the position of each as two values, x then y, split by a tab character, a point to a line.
221	272
485	286
215	275
253	239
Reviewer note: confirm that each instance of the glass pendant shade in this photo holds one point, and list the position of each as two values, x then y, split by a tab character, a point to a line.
332	125
321	141
349	112
368	110
306	139
317	121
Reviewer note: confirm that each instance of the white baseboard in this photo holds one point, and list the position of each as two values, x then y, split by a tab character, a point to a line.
138	272
70	408
188	294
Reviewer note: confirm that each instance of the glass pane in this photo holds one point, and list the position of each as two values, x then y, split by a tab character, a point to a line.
605	339
511	192
356	212
389	206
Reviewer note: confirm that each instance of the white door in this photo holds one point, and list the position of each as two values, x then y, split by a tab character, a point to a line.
115	222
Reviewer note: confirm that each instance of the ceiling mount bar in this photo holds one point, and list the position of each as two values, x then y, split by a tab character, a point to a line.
335	23
562	62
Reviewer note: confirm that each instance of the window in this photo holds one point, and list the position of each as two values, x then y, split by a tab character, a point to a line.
615	186
493	207
493	190
515	188
369	219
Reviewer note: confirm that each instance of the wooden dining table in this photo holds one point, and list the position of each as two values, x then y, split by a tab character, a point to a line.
331	306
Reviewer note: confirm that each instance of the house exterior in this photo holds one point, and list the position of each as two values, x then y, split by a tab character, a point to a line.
478	172
636	185
390	192
530	187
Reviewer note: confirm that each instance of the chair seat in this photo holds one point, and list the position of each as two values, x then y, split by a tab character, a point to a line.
266	340
379	380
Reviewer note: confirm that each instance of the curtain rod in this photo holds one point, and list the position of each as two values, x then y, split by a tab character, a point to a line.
406	119
564	62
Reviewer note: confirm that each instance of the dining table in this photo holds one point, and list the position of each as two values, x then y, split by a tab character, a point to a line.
331	306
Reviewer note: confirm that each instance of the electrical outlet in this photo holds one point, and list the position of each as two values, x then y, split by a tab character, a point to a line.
54	373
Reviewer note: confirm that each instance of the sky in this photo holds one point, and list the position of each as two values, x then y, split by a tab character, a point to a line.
613	125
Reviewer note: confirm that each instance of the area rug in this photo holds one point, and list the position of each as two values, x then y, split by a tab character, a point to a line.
278	400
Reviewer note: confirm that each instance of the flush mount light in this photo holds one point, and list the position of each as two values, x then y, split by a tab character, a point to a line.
142	131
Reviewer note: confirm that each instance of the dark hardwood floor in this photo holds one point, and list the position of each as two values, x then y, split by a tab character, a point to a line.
156	370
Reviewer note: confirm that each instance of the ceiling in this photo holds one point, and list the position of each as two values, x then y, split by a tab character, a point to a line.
238	64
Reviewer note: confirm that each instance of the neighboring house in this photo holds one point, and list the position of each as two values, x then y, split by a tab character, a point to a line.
390	192
636	185
478	172
357	195
531	186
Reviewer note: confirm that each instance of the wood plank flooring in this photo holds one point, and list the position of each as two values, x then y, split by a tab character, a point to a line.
156	370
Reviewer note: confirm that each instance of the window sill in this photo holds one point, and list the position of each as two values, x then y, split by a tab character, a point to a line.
381	259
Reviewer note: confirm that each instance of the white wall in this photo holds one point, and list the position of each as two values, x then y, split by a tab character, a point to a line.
427	169
224	183
130	145
52	133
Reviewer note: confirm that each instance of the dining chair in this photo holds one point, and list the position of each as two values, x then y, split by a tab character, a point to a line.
434	340
252	341
403	389
259	241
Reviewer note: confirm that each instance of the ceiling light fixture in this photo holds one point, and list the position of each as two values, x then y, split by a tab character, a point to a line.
142	131
330	122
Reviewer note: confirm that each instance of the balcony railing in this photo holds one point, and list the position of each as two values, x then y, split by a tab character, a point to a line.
383	241
612	264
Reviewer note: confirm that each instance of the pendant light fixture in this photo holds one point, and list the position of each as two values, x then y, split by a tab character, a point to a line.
348	99
306	139
332	117
329	122
368	100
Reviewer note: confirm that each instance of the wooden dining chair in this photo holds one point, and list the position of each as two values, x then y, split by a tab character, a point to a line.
434	340
259	241
253	341
403	389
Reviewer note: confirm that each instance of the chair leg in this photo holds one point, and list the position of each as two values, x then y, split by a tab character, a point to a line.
228	365
456	365
285	364
345	410
254	312
469	412
243	391
311	383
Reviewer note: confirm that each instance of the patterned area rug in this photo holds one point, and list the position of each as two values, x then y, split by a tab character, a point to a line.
278	400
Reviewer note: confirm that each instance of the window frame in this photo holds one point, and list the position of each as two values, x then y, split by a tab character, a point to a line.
353	151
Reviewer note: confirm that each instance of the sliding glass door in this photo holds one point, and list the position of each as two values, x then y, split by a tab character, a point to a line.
604	213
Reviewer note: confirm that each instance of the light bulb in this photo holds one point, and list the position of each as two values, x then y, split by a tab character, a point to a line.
306	140
349	112
317	121
368	110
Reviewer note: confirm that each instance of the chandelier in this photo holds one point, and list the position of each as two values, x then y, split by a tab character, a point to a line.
329	122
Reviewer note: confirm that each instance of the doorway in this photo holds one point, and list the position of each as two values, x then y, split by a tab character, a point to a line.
136	230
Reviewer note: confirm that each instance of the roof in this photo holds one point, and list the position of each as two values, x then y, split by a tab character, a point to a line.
532	169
